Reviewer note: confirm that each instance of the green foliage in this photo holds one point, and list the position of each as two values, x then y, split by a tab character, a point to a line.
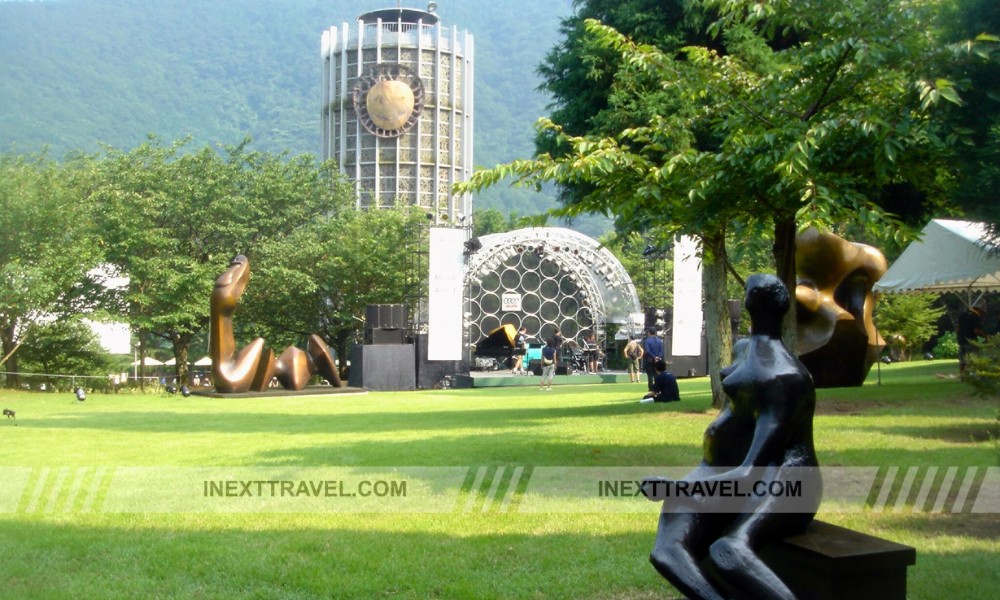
800	118
649	265
46	246
491	220
946	346
67	347
321	277
983	367
977	177
907	321
171	221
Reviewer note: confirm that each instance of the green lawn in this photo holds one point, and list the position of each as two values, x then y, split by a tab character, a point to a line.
53	547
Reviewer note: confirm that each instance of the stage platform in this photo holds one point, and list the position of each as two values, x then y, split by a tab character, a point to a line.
485	379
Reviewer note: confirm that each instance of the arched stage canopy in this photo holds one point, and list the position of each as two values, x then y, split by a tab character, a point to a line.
547	277
950	256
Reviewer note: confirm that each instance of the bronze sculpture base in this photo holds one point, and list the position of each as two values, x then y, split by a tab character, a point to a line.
311	390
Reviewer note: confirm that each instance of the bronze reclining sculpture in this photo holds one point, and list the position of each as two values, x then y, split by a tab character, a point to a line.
253	367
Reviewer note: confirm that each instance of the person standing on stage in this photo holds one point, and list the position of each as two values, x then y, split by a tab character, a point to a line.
557	341
520	349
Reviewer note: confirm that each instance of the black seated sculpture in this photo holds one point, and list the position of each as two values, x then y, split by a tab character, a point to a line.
707	545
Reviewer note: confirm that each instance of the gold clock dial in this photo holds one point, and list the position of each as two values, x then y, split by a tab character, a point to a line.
390	104
388	100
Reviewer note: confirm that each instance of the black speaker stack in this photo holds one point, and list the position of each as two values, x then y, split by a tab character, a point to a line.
385	324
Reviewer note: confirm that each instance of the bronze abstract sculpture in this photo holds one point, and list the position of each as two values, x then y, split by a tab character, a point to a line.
707	545
253	367
837	339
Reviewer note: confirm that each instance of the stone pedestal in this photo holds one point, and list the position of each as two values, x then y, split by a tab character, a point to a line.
828	562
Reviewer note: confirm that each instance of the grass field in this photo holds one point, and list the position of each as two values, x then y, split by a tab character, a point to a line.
56	544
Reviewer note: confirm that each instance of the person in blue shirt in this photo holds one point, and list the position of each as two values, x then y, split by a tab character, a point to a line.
664	385
549	358
652	351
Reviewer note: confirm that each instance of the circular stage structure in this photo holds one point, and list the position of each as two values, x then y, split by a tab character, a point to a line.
547	277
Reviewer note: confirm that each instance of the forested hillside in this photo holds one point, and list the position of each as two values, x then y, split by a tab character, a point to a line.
75	74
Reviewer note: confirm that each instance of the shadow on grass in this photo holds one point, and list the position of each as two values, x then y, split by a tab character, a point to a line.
970	433
481	449
315	422
341	561
981	526
364	556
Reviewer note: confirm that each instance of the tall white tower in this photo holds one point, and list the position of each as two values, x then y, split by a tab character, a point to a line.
397	110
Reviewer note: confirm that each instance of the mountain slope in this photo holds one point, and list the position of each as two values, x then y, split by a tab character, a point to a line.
75	74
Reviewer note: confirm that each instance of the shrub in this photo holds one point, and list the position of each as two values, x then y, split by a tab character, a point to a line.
907	321
983	370
946	346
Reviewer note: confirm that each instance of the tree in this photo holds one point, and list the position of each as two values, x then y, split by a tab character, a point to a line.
977	176
321	278
983	371
907	321
171	222
579	72
491	220
808	111
46	247
65	347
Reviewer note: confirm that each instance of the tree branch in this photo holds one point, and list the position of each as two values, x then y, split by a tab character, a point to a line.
819	104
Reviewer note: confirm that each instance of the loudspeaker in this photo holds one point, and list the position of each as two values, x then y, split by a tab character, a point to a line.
385	336
385	316
385	367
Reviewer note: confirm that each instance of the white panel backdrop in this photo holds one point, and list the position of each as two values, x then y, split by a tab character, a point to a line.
687	298
445	306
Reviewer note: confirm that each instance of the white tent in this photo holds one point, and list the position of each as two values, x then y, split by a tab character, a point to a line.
950	256
201	362
149	361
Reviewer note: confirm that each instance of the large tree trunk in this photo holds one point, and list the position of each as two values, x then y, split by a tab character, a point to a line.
718	331
9	347
784	265
142	361
181	343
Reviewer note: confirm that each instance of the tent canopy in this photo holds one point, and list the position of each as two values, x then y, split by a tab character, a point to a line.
950	256
149	361
201	362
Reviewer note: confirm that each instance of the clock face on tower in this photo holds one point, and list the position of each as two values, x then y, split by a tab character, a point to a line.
388	99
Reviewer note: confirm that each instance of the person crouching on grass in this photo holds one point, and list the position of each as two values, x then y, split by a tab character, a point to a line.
664	385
